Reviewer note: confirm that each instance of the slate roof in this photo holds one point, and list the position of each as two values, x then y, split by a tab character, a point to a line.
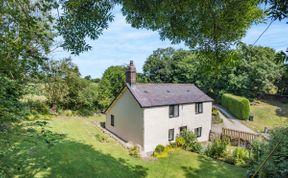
151	95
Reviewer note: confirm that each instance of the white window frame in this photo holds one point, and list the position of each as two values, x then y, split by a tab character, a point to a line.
175	111
198	132
199	108
171	134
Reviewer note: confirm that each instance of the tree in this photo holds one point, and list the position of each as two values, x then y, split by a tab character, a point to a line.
88	96
208	25
10	107
282	83
211	26
235	74
166	65
112	82
81	20
55	85
158	66
277	164
278	9
254	61
25	35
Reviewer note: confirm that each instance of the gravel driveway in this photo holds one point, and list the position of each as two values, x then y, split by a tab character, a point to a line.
229	122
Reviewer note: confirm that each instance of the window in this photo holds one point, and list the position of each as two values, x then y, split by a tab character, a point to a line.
183	128
173	111
112	120
171	135
199	108
198	131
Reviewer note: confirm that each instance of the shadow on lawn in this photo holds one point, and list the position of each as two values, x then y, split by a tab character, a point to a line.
29	152
209	168
281	103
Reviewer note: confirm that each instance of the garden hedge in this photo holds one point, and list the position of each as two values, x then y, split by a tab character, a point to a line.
238	106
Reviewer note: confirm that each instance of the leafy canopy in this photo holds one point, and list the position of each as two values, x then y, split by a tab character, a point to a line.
236	74
208	25
112	82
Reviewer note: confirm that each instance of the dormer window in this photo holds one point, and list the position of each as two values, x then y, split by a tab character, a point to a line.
198	108
173	111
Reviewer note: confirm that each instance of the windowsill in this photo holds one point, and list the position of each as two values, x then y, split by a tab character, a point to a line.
173	116
199	112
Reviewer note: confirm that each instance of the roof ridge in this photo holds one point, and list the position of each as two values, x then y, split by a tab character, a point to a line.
165	84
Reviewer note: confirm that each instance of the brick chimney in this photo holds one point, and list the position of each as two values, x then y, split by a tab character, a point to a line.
131	74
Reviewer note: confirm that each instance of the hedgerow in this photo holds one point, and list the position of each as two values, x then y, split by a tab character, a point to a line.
238	106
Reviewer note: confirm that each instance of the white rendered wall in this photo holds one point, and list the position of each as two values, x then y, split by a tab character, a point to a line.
128	118
157	123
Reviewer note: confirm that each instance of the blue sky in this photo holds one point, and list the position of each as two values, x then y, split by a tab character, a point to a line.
121	43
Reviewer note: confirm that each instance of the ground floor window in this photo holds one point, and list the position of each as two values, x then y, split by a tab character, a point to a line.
198	131
112	119
171	135
183	128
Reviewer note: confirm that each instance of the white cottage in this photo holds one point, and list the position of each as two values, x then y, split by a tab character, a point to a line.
151	114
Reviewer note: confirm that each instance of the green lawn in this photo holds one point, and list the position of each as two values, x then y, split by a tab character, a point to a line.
68	147
268	113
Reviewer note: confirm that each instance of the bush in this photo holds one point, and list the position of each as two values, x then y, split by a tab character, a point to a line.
85	112
257	150
218	148
240	156
190	141
159	148
216	119
180	141
161	151
238	106
68	113
276	165
33	117
37	104
134	152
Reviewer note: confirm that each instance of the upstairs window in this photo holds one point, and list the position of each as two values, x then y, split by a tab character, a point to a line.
199	108
112	120
171	135
198	131
173	111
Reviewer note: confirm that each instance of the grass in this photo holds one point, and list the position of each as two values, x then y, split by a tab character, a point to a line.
269	113
70	147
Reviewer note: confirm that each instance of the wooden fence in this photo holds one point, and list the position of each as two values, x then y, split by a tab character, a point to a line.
240	136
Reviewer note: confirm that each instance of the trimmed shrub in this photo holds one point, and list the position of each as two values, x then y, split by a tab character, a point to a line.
240	156
238	106
191	143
